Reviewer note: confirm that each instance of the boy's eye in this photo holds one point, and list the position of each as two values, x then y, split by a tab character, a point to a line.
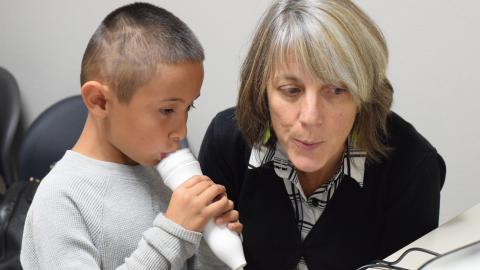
190	107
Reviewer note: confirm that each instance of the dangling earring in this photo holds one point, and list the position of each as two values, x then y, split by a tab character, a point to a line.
353	136
352	139
267	134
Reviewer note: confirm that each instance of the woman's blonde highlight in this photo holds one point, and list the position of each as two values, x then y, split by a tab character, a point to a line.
334	41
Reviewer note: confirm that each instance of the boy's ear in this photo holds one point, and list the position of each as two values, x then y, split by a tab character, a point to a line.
95	97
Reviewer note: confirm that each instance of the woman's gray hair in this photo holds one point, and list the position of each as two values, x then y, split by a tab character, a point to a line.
337	43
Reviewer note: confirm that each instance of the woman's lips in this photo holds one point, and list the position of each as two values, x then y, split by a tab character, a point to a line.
306	145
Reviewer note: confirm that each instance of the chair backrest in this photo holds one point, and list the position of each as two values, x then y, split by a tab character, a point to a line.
9	120
52	133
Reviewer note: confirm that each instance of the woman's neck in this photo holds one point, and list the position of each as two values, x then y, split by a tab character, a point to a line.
311	181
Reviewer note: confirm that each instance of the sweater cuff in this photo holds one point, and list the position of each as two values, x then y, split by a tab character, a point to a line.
173	228
172	241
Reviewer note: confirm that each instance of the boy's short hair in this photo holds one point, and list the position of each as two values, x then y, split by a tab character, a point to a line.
131	43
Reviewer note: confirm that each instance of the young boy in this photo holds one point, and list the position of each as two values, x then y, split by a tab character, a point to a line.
103	206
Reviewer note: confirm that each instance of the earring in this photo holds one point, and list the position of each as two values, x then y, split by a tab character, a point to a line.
352	139
267	134
353	136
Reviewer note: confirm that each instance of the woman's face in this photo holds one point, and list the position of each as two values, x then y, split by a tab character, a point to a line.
311	119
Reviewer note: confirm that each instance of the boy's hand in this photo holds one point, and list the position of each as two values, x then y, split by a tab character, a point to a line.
192	206
230	217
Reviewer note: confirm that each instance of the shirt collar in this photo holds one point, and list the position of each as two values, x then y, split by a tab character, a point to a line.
353	162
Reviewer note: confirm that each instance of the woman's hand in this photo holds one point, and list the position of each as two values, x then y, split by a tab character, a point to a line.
192	204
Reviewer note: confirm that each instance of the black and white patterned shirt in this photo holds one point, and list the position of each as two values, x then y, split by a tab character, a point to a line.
308	210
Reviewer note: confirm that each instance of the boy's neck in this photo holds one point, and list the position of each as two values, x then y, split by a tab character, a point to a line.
94	144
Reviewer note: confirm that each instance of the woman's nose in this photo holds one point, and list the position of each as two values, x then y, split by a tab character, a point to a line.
312	111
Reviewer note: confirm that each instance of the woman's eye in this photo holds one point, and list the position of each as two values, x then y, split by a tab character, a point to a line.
167	111
334	90
290	91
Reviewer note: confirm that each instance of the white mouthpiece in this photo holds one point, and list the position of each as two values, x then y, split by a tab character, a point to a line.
178	167
225	244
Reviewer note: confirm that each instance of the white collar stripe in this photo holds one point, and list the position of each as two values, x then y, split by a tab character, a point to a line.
308	210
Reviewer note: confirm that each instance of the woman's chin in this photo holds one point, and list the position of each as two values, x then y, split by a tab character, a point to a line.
306	164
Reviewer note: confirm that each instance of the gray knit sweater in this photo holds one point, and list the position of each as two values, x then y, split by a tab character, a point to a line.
91	214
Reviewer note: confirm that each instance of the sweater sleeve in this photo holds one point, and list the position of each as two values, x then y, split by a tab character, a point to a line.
56	236
166	245
415	211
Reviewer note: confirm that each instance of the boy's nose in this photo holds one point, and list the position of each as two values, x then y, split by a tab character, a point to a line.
179	134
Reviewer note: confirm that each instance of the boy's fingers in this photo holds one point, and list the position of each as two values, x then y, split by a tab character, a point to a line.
192	181
236	227
229	216
217	208
207	196
200	187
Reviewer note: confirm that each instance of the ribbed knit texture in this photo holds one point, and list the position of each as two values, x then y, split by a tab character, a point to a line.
91	214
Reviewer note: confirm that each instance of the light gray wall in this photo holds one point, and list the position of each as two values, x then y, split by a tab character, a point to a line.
433	65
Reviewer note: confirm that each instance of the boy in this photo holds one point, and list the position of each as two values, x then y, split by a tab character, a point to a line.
141	72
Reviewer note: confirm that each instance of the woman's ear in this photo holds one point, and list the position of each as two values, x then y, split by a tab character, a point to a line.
95	97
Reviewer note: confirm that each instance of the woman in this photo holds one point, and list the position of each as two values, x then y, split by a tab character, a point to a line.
323	174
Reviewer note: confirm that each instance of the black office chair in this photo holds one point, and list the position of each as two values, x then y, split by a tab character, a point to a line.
9	120
50	135
44	143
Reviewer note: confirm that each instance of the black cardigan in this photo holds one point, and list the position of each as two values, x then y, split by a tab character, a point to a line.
398	203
